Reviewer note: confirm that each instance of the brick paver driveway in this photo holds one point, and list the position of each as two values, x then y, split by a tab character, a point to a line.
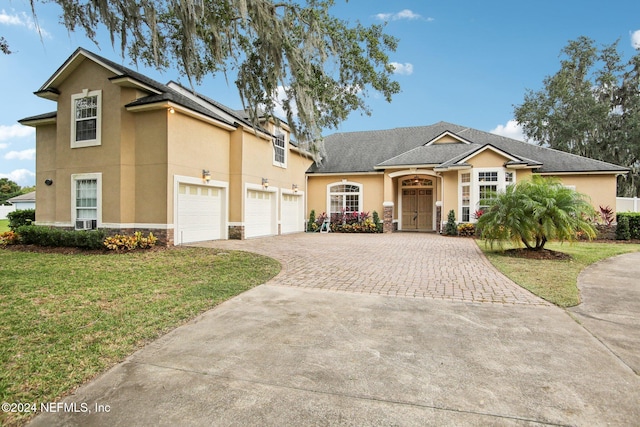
420	265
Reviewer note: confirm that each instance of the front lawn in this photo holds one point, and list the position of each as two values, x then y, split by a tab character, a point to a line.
66	318
555	280
4	225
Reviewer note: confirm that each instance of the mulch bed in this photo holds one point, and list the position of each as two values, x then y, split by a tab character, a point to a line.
541	254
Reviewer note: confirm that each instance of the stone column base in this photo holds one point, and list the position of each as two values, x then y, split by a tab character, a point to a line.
236	232
387	217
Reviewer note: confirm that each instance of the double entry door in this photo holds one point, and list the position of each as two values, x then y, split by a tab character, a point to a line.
417	209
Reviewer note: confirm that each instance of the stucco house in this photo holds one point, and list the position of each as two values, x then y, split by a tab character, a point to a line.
124	152
414	176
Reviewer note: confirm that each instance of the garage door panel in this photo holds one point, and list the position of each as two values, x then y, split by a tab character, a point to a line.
259	213
291	216
200	213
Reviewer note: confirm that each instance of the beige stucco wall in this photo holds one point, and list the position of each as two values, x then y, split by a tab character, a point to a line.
487	159
46	196
372	197
600	189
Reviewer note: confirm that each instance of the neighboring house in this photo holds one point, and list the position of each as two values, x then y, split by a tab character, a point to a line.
414	176
24	201
124	152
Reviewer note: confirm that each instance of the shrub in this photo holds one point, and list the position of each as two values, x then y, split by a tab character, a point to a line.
8	238
21	217
120	242
606	215
311	225
466	229
451	229
45	236
377	222
622	230
634	223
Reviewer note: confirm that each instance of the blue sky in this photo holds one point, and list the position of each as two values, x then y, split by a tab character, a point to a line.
462	61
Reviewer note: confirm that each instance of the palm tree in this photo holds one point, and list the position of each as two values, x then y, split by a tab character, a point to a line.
534	211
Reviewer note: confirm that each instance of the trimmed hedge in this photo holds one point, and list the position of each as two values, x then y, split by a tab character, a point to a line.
633	219
45	236
21	217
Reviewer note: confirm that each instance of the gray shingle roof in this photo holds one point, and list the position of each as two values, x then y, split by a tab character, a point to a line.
374	150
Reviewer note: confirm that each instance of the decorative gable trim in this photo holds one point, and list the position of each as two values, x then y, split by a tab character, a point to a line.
447	134
498	151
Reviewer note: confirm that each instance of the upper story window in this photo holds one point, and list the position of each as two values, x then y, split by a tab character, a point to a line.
280	150
86	118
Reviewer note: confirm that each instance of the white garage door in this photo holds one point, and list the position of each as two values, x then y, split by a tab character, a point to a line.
292	218
200	215
259	213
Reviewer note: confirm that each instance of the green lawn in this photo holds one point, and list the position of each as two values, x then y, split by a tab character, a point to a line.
66	318
4	225
553	280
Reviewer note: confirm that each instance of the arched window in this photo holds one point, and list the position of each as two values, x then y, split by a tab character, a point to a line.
345	196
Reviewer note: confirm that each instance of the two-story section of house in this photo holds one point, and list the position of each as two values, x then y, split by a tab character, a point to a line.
125	153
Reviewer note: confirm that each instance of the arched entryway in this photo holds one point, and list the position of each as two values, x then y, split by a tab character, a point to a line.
417	203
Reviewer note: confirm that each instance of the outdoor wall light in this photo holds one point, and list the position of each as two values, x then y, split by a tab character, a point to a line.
265	182
206	175
171	110
48	181
294	187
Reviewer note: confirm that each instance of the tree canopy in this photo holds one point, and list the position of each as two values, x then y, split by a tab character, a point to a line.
590	107
8	189
321	66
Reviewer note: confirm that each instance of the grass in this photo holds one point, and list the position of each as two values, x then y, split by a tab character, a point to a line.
66	318
555	280
4	225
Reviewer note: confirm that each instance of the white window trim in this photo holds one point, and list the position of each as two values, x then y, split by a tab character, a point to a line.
359	193
474	201
285	138
80	176
89	142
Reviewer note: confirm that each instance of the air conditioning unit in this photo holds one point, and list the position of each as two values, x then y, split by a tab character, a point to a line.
85	224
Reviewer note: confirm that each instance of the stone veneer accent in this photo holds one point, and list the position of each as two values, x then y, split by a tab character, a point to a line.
236	232
165	237
387	217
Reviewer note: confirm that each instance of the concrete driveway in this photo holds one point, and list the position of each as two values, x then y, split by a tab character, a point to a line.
284	354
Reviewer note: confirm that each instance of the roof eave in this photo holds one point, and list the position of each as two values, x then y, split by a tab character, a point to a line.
130	82
167	105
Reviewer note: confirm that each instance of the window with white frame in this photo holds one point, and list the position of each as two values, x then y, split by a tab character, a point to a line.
465	189
86	118
478	185
345	197
86	198
279	150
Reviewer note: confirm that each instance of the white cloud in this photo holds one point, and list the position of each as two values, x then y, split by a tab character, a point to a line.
22	20
405	69
29	154
15	131
3	146
403	14
635	39
511	130
22	177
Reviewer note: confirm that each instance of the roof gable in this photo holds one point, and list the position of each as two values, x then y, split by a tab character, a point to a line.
448	137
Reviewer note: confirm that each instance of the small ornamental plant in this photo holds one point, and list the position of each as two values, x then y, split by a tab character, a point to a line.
466	229
120	242
8	238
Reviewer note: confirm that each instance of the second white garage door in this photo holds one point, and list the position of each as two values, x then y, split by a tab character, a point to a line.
259	217
292	218
200	215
